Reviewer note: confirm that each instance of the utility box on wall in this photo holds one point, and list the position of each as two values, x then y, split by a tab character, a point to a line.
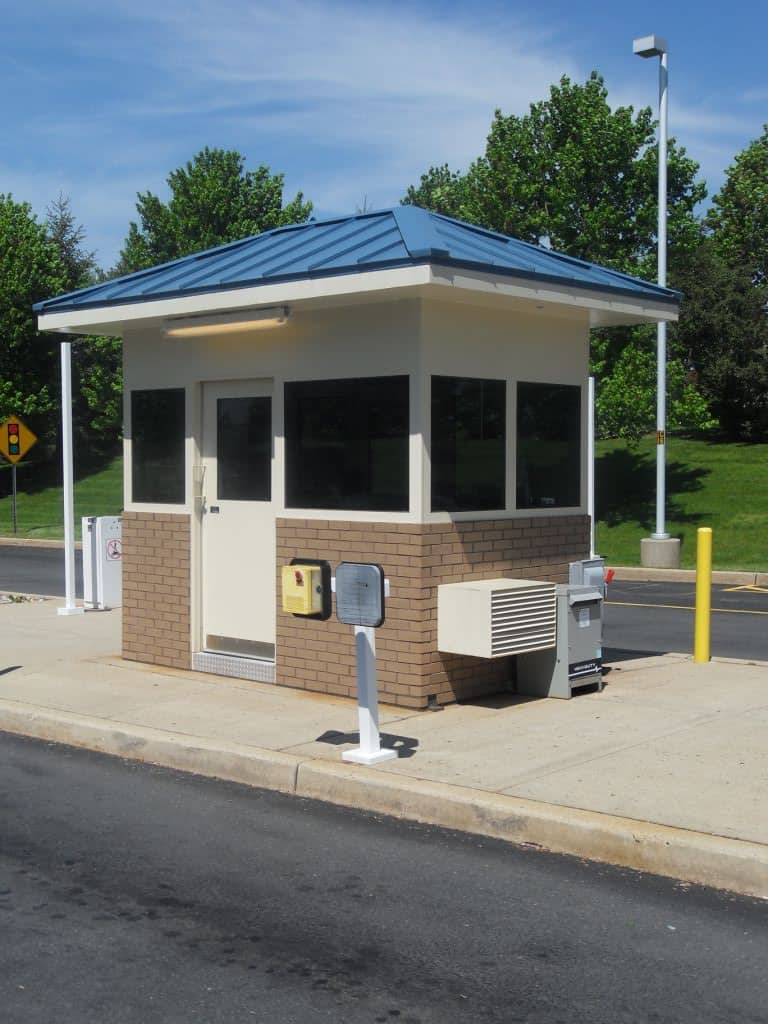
578	657
102	562
588	572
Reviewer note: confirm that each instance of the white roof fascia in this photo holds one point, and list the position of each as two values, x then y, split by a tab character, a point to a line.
78	321
604	307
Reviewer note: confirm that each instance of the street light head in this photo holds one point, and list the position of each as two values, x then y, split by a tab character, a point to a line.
649	46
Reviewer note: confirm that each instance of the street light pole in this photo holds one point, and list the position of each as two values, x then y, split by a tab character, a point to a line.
655	46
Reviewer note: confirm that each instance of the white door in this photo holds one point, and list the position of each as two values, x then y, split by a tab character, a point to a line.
238	577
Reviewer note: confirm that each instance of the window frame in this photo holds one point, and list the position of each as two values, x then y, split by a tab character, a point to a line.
220	440
290	503
581	483
505	438
173	505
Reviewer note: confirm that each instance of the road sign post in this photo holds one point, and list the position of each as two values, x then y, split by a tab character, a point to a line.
15	441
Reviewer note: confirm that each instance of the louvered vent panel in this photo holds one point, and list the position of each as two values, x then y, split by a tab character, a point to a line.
524	619
496	618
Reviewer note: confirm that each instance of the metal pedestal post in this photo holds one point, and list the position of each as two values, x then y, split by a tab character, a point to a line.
370	750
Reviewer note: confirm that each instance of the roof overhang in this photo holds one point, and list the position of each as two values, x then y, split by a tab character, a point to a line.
600	308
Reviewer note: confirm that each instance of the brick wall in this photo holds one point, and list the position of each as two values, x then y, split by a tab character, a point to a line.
156	588
320	656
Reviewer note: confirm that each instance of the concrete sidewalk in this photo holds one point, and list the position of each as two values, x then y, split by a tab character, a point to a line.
666	770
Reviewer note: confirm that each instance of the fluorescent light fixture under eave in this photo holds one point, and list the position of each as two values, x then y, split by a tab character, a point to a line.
225	323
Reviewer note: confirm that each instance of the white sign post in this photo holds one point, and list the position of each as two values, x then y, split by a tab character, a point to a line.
360	602
70	606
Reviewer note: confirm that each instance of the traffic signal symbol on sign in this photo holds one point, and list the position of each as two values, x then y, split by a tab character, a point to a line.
15	439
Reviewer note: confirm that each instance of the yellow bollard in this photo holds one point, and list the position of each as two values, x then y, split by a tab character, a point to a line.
703	594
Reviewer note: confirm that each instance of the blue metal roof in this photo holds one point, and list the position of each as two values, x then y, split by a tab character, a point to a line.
400	237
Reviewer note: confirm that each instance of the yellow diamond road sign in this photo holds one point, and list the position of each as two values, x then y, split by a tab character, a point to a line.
15	439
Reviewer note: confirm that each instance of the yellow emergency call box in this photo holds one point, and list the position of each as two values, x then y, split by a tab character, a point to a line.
302	589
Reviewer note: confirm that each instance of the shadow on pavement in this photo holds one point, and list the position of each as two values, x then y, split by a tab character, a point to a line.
404	745
612	654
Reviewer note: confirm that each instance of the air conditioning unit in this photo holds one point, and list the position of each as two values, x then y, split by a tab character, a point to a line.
496	618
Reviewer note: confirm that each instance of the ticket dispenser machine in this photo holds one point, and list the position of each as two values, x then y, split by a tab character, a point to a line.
577	658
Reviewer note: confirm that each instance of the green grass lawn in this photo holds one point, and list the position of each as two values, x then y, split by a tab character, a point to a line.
724	486
39	508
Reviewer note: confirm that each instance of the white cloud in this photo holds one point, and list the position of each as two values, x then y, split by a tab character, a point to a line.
348	99
370	75
755	96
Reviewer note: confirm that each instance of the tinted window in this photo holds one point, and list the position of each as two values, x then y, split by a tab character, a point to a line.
548	445
157	446
244	449
468	444
347	444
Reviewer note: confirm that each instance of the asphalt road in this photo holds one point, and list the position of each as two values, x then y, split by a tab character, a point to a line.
645	617
136	894
33	570
659	617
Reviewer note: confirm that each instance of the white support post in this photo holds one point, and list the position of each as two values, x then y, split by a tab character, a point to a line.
591	463
370	750
69	607
661	331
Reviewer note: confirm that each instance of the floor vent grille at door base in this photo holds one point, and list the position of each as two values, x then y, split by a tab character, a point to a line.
237	668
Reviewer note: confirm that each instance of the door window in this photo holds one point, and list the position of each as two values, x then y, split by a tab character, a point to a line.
244	449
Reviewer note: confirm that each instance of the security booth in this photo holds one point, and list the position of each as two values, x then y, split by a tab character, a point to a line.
396	388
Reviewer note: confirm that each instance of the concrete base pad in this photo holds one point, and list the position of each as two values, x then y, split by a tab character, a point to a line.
660	554
357	756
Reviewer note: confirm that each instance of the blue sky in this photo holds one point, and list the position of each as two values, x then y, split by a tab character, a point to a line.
349	100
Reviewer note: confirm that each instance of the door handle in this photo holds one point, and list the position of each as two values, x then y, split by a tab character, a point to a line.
214	508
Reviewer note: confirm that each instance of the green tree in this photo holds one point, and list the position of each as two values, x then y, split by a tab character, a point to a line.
625	404
445	191
68	236
739	214
578	172
723	333
584	175
98	373
30	270
213	200
97	378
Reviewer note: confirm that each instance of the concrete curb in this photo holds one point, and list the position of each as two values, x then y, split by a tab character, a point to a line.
716	861
237	763
35	542
727	576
